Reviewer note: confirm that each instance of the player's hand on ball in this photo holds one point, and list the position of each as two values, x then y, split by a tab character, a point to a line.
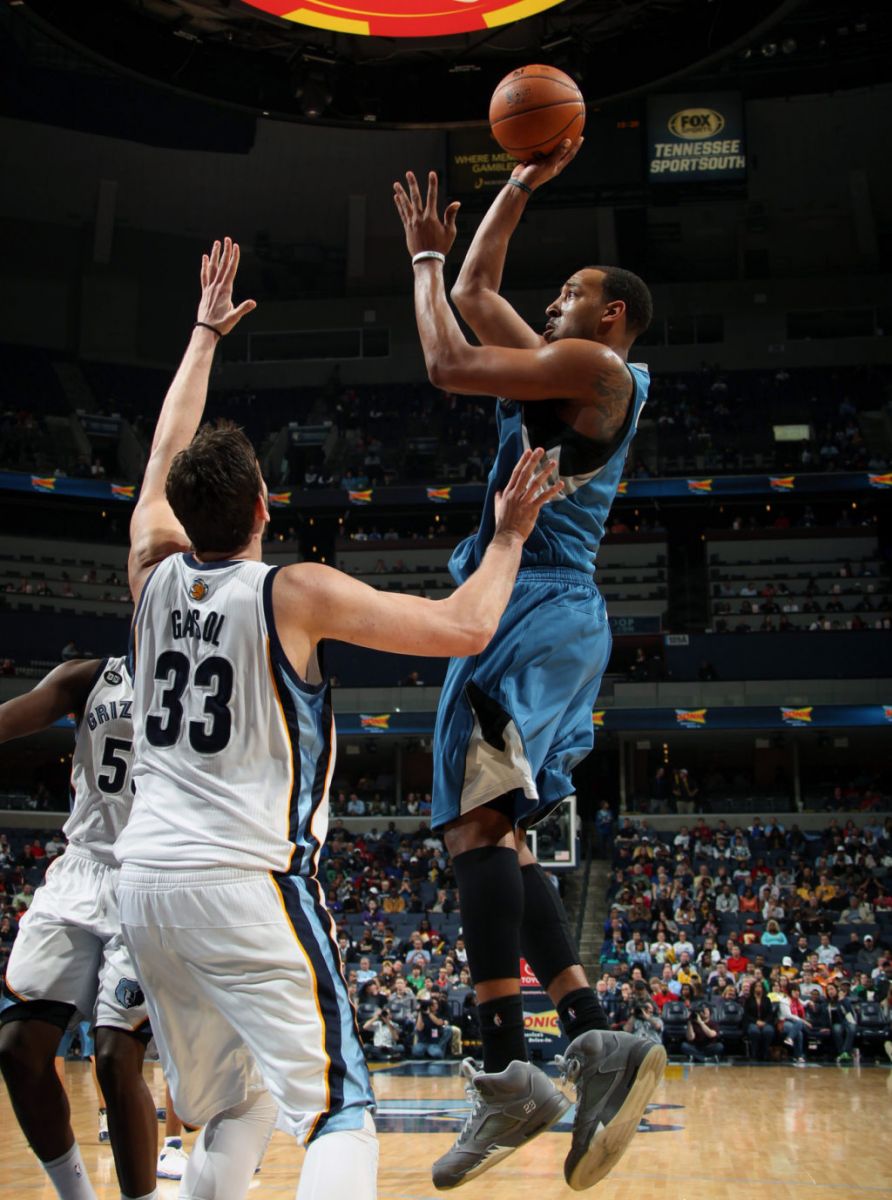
525	494
425	229
534	174
218	271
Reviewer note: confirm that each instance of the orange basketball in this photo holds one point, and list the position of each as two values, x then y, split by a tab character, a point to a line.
533	109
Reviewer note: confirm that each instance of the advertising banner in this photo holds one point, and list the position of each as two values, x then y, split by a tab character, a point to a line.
476	162
542	1029
820	483
695	137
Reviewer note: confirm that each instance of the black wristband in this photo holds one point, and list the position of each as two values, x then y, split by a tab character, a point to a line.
518	183
204	325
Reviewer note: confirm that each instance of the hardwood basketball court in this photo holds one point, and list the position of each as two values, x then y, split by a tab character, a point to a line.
712	1133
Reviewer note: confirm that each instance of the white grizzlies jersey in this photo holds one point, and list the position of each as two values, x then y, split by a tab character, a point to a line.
101	764
234	751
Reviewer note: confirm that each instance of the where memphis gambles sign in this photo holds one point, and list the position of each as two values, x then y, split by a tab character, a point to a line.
695	137
404	18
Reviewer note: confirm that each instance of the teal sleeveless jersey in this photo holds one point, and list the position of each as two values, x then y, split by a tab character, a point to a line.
569	530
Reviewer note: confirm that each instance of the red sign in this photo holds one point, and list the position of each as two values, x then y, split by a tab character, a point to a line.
404	18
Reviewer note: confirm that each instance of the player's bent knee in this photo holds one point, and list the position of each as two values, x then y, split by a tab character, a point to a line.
29	1039
119	1057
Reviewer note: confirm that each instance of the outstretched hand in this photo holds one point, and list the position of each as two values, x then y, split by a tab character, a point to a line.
425	230
525	494
534	174
218	270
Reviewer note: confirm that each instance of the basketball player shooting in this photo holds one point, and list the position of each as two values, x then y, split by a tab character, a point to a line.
234	752
515	720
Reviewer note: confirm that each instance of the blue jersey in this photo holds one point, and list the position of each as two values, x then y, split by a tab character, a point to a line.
569	530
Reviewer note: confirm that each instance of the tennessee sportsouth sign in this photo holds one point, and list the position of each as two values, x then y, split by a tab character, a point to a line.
404	18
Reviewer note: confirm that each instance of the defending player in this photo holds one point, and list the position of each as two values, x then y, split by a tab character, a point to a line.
68	958
234	746
515	720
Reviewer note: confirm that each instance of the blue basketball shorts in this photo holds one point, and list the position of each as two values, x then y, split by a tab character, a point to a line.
514	720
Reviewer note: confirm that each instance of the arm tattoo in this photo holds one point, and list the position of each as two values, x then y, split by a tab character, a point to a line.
612	399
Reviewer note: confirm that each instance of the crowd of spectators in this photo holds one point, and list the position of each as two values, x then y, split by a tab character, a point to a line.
777	600
768	939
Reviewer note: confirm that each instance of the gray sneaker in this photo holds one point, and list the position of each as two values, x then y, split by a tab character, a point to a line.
615	1075
509	1110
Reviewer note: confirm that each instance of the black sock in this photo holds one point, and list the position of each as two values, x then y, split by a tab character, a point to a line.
501	1026
581	1011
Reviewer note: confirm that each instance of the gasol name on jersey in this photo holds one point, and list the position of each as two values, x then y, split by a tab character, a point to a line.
201	626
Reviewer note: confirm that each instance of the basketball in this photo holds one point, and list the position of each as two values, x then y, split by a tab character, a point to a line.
533	109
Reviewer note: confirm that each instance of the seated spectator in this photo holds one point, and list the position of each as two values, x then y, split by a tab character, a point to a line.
403	1008
759	1020
684	945
645	1022
369	1002
857	912
702	1041
796	1024
773	935
432	1030
843	1021
737	962
661	951
385	1043
748	902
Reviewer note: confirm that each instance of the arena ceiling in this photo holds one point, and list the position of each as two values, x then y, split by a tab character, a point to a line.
235	53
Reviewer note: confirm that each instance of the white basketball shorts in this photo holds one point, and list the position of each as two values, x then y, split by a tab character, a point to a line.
69	947
243	983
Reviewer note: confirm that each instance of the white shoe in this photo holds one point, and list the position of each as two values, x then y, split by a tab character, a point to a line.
172	1159
103	1126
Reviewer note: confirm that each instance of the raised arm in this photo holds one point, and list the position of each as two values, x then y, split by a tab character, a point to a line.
154	530
476	292
63	691
570	369
313	602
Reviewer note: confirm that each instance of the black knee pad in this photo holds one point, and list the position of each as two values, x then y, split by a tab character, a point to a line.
491	894
545	938
53	1012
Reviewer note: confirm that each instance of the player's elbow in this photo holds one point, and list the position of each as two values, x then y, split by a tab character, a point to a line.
474	637
448	372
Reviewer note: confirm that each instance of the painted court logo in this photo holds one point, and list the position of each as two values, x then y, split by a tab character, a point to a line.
404	18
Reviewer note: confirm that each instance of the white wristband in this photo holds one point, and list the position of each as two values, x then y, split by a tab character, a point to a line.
423	254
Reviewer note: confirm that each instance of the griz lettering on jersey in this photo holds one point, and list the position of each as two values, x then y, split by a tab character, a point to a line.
204	627
113	711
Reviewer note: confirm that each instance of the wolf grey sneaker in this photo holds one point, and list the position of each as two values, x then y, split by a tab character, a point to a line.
509	1110
615	1075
